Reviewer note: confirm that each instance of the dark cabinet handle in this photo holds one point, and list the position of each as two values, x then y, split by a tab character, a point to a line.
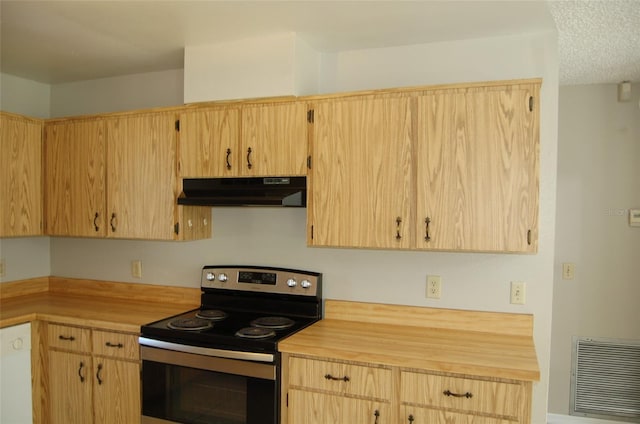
95	224
398	222
66	338
330	377
377	415
450	393
427	236
113	222
118	345
98	374
228	163
411	419
249	158
80	372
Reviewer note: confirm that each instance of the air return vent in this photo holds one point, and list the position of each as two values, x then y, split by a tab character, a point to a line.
605	379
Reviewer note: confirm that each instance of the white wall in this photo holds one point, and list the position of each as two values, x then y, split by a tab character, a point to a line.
277	236
129	92
24	97
598	181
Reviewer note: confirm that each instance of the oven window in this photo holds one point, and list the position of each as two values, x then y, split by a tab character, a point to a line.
194	396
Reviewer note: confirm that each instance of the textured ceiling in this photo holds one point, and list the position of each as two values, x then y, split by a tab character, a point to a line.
62	41
598	41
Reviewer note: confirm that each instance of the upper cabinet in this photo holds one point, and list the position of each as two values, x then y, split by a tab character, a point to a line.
21	205
263	139
117	177
361	179
446	169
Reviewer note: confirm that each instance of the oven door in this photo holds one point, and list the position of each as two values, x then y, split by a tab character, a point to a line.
182	387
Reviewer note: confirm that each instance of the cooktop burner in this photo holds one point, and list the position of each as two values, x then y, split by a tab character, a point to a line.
211	314
275	323
190	324
255	333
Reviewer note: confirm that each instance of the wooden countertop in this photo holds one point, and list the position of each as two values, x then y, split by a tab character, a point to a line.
443	340
97	304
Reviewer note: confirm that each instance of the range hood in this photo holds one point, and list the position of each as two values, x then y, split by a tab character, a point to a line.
250	191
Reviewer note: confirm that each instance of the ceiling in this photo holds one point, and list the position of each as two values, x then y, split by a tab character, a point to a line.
63	41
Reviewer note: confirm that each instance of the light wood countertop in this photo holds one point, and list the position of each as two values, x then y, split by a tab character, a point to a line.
110	306
453	345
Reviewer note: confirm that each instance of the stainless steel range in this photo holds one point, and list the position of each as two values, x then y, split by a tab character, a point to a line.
219	364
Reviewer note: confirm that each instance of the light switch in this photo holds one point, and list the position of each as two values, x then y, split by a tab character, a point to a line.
568	271
634	217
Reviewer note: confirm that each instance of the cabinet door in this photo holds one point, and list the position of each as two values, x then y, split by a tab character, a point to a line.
75	178
116	391
209	143
477	164
274	140
361	188
20	176
415	415
141	176
319	408
70	380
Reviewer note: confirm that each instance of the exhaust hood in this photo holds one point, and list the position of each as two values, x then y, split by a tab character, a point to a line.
249	191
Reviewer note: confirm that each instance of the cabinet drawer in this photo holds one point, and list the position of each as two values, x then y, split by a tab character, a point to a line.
71	338
483	396
116	345
340	378
439	416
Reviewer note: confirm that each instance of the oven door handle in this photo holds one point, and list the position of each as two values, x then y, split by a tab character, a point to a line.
250	364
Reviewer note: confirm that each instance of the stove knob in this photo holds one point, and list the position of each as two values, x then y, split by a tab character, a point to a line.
223	277
305	284
291	282
210	276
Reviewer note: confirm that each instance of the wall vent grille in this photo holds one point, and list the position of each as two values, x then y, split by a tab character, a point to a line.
605	379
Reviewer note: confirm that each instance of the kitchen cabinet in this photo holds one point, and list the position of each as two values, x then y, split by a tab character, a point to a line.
322	391
21	209
116	177
361	185
262	139
94	375
453	168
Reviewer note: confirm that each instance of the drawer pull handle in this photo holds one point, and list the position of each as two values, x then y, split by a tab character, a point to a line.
228	154
398	222
80	372
95	224
411	419
330	377
118	345
249	165
66	338
450	393
98	374
376	414
427	236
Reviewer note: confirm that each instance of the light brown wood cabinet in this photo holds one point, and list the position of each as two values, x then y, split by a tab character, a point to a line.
264	139
323	391
21	208
440	169
93	376
117	177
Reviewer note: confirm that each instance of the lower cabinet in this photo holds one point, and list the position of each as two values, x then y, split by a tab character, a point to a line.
94	376
326	390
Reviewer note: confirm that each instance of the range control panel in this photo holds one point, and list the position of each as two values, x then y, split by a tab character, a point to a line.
261	279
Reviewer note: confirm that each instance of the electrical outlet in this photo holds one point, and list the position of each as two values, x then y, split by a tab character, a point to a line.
136	269
2	268
568	271
518	292
434	287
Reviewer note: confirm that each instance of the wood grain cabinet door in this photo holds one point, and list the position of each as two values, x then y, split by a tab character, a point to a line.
274	139
21	205
319	408
477	169
361	173
70	381
141	176
116	391
75	154
416	415
209	143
